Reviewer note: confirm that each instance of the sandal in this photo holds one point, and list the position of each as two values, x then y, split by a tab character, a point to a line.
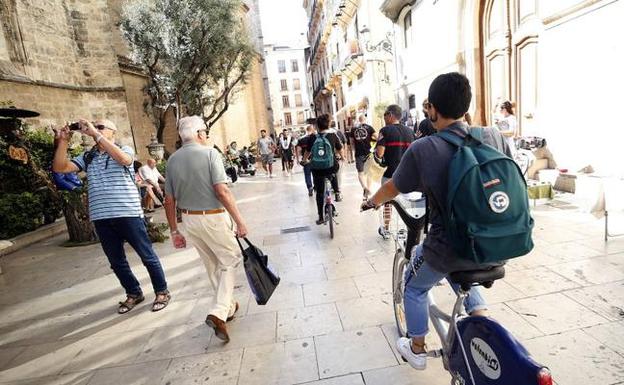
161	301
130	302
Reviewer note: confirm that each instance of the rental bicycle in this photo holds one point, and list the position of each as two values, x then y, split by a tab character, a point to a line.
475	350
329	210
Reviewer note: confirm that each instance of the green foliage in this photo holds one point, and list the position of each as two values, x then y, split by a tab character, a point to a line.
19	213
26	201
196	52
162	167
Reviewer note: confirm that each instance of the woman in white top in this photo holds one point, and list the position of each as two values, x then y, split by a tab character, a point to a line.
508	125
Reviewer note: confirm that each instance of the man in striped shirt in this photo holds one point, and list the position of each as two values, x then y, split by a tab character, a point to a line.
114	207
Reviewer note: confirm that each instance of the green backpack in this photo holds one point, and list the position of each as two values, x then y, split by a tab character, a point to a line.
487	211
322	154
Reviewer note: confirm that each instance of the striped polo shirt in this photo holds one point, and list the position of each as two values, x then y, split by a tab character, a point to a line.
112	191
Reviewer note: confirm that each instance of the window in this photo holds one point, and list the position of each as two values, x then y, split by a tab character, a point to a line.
281	66
300	118
288	118
295	65
298	101
296	84
285	101
284	84
407	28
412	101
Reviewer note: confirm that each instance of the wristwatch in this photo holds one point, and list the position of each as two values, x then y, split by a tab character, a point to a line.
174	232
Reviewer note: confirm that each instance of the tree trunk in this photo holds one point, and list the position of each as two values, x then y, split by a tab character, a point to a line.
76	213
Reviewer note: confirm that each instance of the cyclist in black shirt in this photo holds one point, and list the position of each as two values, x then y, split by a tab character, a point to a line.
393	141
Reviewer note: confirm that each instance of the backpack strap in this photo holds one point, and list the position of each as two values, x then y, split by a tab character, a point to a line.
451	137
476	133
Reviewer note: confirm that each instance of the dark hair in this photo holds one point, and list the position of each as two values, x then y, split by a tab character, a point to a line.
261	131
395	111
507	106
450	94
322	122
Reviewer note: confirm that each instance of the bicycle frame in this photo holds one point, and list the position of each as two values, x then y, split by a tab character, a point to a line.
475	349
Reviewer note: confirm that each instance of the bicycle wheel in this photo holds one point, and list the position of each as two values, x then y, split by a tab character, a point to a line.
398	286
330	219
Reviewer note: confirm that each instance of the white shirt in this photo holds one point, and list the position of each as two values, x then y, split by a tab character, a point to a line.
506	125
150	174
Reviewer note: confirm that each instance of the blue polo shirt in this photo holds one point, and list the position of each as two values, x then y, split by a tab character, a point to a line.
112	191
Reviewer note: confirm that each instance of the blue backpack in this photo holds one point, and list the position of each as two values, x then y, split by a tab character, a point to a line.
487	215
322	153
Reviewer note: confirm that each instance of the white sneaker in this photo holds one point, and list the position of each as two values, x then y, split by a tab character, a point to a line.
417	361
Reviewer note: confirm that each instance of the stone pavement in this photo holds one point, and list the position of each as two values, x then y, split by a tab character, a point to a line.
330	322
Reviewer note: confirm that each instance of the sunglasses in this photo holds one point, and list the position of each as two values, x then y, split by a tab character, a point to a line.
100	126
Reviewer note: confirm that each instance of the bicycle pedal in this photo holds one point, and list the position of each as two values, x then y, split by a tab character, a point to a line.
435	353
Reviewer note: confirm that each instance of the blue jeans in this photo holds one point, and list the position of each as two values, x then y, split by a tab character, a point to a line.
307	172
113	233
416	289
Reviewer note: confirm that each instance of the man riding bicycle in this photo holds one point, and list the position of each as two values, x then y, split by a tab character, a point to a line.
425	168
325	149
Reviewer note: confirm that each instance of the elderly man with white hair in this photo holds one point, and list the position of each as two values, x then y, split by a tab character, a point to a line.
114	207
197	184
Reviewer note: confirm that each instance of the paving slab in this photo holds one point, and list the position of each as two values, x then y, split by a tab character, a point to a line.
59	325
290	362
353	351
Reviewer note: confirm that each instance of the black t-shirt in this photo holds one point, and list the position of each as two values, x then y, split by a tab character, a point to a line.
331	136
304	143
362	136
396	138
425	128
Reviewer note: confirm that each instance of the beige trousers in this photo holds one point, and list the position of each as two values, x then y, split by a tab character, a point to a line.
213	237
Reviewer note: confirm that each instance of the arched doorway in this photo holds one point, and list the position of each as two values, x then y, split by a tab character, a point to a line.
510	36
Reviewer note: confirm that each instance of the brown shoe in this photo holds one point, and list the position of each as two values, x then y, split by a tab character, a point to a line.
233	314
219	327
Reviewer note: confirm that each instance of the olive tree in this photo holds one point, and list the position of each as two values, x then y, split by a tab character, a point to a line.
196	52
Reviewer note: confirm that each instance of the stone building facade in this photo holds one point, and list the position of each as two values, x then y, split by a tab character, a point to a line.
350	61
58	57
67	59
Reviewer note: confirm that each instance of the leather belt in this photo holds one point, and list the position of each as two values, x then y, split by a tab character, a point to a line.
202	212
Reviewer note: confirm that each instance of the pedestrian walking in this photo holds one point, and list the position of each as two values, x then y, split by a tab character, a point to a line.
304	145
286	149
197	185
266	149
348	132
394	139
361	137
424	128
114	208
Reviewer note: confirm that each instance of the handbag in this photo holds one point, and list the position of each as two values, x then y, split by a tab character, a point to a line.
261	277
373	169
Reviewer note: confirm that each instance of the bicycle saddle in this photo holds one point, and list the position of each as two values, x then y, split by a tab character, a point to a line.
483	277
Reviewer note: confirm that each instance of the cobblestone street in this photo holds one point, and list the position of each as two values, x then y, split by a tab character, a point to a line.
330	321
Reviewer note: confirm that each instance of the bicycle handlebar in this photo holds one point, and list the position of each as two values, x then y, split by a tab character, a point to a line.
412	223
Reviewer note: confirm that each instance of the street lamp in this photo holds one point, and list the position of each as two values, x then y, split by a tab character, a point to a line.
155	149
384	45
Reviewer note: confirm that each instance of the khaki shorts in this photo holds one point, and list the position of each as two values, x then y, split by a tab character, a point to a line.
267	158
